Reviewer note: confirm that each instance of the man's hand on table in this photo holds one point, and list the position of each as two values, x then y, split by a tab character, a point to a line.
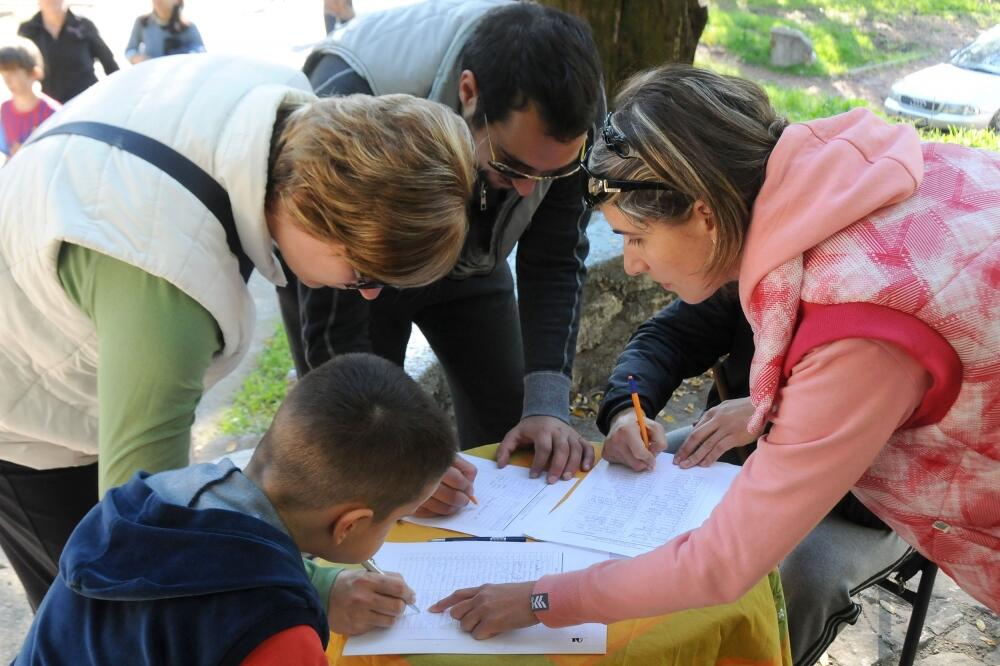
624	446
719	429
558	447
361	601
453	491
489	610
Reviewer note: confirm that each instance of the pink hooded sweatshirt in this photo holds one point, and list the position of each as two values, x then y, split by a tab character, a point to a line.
836	408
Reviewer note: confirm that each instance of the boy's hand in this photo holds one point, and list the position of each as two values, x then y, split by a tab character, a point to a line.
453	491
624	446
361	601
719	429
557	446
488	610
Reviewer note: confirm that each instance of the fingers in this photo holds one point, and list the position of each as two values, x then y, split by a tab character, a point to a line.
657	438
588	455
452	599
575	458
465	468
393	585
543	449
559	456
709	451
508	445
694	441
455	479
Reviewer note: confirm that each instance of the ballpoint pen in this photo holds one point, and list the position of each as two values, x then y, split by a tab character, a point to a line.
508	539
370	565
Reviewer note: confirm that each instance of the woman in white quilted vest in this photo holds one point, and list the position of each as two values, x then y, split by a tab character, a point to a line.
122	294
869	269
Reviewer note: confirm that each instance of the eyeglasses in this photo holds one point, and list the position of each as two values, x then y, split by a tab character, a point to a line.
363	283
601	189
516	174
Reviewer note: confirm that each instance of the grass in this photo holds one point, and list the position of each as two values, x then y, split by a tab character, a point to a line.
846	34
799	105
262	392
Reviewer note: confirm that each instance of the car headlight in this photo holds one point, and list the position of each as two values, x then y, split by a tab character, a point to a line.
959	110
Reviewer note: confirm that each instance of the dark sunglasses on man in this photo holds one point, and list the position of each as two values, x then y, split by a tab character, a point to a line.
600	189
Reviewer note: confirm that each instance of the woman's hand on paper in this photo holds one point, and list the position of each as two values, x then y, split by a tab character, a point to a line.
719	429
489	610
624	446
558	447
361	601
453	491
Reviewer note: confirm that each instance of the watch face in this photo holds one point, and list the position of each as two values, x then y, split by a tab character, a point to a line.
540	601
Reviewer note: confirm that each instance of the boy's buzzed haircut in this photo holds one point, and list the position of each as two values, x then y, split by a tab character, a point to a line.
524	53
22	55
356	429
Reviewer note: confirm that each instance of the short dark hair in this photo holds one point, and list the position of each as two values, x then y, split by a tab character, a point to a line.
524	53
357	428
23	55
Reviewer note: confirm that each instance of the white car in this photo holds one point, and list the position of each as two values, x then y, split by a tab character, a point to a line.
963	92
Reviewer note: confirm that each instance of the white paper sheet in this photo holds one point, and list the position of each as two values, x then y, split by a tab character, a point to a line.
435	570
506	497
629	513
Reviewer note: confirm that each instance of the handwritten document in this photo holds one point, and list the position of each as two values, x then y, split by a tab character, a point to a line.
506	497
435	570
630	513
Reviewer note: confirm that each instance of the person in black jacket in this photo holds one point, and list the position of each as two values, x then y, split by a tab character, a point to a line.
69	46
847	550
527	80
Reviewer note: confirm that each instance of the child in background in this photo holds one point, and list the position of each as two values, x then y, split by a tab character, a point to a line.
202	564
163	32
21	66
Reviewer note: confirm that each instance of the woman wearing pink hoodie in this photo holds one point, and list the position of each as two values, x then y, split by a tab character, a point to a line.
869	269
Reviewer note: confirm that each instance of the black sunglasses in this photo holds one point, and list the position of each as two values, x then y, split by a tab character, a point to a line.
363	283
601	189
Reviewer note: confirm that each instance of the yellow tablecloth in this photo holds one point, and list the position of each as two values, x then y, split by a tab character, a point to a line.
750	632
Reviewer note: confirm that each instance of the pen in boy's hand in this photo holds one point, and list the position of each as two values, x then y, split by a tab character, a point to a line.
370	565
472	498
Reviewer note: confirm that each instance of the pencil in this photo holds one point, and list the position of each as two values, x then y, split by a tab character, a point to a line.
639	415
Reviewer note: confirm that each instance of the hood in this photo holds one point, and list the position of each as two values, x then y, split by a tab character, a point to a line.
822	177
947	84
133	546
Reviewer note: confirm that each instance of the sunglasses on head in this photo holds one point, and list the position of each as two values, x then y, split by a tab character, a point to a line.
601	189
516	174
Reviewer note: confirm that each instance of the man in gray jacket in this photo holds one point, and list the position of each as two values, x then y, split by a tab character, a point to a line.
527	79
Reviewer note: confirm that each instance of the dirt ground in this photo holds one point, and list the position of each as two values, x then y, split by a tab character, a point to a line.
909	34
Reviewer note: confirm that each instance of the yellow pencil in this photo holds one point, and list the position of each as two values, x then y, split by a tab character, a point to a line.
639	415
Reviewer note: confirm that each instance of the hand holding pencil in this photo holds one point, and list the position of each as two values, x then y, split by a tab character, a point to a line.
633	439
455	491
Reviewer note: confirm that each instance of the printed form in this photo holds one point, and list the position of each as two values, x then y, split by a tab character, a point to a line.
506	497
630	513
435	570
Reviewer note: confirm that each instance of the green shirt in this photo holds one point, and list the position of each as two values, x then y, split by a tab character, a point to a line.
155	344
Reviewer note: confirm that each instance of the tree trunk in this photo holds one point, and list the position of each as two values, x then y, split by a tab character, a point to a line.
633	35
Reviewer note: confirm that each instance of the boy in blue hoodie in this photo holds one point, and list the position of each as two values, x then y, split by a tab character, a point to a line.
202	565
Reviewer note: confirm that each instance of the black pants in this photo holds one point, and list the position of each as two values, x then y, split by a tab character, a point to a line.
472	325
38	511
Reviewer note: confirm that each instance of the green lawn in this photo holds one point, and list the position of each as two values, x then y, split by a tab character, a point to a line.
263	390
845	34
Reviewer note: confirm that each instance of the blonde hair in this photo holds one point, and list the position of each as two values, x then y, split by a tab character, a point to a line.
388	177
707	136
